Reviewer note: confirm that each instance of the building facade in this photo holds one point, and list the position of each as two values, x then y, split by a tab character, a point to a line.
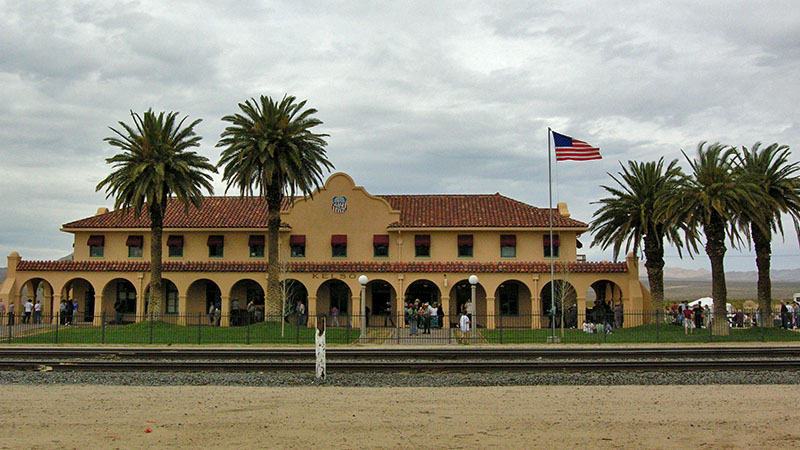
409	246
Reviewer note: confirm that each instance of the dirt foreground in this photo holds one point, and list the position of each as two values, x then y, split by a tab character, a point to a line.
339	417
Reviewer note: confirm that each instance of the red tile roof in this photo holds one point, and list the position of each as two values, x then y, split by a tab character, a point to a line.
338	266
483	210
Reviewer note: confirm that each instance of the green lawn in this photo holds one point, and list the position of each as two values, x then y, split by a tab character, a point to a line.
166	333
641	334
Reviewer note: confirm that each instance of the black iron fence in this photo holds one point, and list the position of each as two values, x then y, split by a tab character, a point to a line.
243	328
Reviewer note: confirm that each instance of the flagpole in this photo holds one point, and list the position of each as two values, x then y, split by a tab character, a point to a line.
552	277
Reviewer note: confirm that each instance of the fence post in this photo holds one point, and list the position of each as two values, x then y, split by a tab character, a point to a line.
9	329
711	331
297	328
248	328
103	328
199	326
501	327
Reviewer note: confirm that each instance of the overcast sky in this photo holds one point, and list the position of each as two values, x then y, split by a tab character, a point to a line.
418	97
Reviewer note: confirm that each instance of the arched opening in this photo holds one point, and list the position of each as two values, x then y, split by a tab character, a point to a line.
80	290
119	298
294	293
381	299
247	302
333	299
200	297
513	305
460	295
35	300
602	300
170	299
566	299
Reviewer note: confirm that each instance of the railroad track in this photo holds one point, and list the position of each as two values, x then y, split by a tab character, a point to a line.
399	366
422	353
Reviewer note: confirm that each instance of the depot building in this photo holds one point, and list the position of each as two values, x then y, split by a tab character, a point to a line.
408	246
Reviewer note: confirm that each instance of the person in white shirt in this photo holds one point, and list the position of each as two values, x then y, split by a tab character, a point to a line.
28	309
464	325
37	312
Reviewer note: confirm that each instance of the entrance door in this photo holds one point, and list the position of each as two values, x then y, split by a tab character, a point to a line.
88	309
381	306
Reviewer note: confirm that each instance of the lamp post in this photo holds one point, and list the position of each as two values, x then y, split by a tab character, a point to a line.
473	281
363	281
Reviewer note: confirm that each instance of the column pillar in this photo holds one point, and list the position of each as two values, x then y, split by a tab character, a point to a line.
536	306
183	310
56	309
491	313
355	310
141	311
581	304
224	321
311	309
98	309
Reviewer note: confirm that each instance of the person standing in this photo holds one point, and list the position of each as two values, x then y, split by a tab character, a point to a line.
11	313
37	312
688	324
412	319
698	316
426	317
618	316
28	308
119	309
62	311
784	316
69	312
440	314
334	316
464	326
387	310
75	310
2	310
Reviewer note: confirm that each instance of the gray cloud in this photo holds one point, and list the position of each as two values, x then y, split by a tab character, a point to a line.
417	96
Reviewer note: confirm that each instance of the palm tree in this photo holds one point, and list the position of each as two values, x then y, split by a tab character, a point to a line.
712	198
777	179
630	216
153	166
269	148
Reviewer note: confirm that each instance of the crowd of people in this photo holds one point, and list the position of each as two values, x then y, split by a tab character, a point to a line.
419	315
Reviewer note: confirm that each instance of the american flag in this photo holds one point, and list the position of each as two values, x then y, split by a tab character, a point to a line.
573	149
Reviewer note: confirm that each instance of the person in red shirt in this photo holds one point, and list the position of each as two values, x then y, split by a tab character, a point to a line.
688	323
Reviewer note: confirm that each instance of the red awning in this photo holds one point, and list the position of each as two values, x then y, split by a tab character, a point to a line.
556	242
380	239
97	240
422	239
256	239
508	240
175	240
464	239
135	241
339	239
216	239
297	239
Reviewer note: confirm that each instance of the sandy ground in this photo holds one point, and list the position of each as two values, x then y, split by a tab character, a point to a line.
335	417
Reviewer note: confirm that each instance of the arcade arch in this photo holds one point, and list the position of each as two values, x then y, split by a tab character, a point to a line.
121	293
601	297
565	298
81	290
334	293
513	304
201	295
460	294
170	298
381	300
294	291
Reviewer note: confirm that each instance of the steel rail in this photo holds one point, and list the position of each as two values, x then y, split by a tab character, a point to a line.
421	353
399	366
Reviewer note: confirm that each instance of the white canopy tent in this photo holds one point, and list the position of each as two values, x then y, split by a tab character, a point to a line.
708	301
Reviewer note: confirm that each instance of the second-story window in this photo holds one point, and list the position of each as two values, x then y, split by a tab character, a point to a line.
96	245
508	246
380	245
175	245
465	246
297	244
422	245
256	243
216	245
555	242
339	246
135	246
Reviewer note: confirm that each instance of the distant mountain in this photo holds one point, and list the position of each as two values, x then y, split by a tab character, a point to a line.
677	273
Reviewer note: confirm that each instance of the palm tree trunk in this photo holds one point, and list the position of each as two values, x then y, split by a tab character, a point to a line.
764	287
274	200
715	249
654	252
156	229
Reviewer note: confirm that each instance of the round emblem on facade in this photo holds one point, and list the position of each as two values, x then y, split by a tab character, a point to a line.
339	204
